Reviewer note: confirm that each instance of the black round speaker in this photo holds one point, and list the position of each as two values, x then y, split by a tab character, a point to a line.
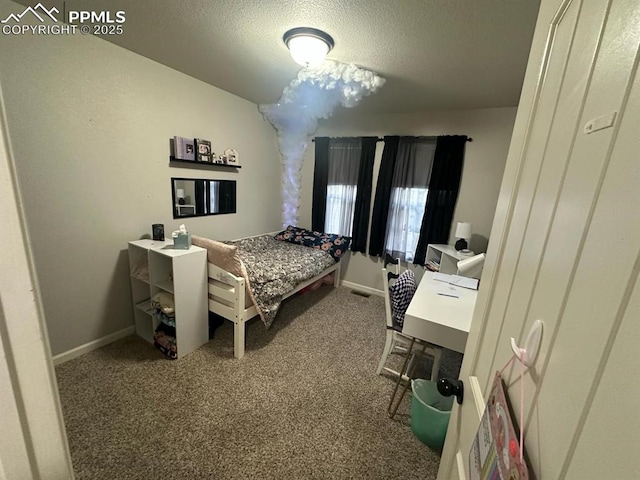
461	244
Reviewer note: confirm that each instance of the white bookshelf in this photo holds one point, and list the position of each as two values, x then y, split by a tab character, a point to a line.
182	273
446	257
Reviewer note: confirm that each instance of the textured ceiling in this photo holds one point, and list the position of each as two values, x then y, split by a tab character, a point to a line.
435	54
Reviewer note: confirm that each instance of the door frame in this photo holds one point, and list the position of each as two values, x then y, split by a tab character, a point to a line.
34	444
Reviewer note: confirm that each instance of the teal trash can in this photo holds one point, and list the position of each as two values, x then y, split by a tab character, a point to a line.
430	413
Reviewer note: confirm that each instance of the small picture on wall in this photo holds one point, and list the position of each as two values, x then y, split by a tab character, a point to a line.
203	150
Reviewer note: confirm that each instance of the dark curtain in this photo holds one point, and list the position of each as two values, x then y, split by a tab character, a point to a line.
227	197
383	196
363	195
444	186
320	180
201	197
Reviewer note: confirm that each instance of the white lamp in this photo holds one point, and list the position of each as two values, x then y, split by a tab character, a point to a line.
180	195
308	46
463	233
472	266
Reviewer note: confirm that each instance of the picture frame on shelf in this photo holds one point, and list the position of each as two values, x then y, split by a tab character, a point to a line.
184	148
231	157
203	150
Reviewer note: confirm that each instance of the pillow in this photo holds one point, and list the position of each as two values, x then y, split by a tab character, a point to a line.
220	254
334	245
400	293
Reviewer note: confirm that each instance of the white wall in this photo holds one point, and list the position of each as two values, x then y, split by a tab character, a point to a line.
89	125
484	162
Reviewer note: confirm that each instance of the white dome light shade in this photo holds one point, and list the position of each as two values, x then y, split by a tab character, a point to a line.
308	51
308	46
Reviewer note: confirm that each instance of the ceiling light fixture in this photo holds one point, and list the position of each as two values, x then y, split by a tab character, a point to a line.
308	46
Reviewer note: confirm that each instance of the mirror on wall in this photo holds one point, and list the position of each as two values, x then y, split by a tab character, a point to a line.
197	197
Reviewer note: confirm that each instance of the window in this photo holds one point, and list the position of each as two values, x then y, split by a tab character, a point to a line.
342	181
214	195
409	189
401	196
342	184
341	200
403	229
416	194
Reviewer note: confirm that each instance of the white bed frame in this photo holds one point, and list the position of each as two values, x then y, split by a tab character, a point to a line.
227	298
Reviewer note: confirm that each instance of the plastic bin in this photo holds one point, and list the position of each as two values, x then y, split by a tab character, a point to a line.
430	413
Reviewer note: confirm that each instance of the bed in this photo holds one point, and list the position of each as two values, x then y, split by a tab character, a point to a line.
250	277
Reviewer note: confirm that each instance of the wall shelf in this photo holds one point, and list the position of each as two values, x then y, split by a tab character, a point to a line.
173	160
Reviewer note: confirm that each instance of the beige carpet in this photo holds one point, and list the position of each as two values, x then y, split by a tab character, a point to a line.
304	403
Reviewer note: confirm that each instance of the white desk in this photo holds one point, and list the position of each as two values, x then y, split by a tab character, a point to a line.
438	319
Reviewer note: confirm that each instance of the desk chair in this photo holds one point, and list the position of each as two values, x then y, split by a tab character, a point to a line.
396	301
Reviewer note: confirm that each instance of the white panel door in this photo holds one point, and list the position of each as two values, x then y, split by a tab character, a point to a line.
566	251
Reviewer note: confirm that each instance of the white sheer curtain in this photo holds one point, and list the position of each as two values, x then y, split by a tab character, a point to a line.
409	195
214	206
405	217
342	185
341	200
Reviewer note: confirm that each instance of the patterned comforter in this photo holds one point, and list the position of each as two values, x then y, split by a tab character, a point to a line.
275	268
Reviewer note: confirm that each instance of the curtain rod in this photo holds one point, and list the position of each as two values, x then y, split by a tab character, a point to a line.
379	139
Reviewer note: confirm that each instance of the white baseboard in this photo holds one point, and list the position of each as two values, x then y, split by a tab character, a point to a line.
106	340
361	288
93	345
